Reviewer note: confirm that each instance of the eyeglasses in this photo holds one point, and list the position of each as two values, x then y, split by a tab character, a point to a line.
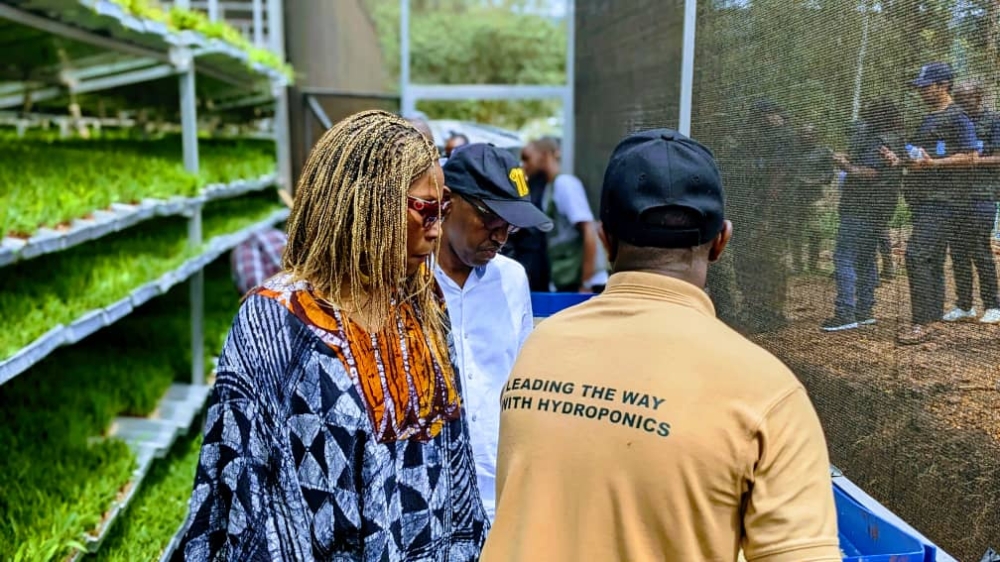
430	211
491	220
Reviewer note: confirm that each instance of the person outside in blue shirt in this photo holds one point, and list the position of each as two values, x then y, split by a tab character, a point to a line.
944	145
972	244
867	201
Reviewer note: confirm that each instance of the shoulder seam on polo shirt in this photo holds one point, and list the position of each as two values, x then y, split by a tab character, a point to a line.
763	417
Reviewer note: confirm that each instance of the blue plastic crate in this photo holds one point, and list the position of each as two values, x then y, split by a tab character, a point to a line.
546	304
866	537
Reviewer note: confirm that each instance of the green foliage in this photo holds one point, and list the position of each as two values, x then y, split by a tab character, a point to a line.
56	480
182	19
38	294
805	55
148	9
48	182
158	510
471	42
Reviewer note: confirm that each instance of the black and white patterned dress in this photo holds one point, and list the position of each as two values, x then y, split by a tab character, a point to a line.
292	468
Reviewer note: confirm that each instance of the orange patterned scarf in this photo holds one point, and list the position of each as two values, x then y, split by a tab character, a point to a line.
398	371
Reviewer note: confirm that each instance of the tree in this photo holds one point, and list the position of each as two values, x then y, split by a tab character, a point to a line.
477	42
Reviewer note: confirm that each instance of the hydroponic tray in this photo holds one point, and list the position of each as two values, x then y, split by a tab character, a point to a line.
138	432
120	217
181	404
150	438
95	537
108	18
93	320
175	541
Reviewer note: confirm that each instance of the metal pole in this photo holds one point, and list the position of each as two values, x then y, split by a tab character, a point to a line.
258	23
281	137
196	286
307	128
406	103
189	139
189	121
687	66
856	103
213	10
569	131
276	27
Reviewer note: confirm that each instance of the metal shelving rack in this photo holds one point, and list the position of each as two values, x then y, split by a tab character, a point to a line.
114	51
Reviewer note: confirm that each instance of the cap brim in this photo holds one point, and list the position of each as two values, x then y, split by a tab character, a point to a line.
921	83
521	213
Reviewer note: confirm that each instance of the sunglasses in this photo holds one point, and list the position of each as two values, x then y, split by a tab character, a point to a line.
430	211
491	220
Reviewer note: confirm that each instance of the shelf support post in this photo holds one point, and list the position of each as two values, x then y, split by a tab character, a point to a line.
281	136
196	285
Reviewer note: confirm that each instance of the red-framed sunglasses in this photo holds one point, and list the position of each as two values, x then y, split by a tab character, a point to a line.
430	211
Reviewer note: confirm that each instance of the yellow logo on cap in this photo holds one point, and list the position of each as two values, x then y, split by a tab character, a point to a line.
520	181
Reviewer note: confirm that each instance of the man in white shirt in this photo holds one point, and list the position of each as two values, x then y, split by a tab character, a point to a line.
487	294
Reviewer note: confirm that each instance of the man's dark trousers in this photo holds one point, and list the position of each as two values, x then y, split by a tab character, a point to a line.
854	266
970	245
925	254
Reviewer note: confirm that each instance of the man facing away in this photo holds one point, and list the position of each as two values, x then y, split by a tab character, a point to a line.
487	294
636	426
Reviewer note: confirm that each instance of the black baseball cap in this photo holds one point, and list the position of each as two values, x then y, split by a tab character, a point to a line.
934	73
656	169
493	176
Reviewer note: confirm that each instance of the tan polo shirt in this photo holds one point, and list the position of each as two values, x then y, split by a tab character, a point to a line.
638	427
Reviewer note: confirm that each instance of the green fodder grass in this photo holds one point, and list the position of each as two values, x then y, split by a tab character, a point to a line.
48	182
58	477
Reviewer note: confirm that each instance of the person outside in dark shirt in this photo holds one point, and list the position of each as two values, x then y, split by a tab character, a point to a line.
868	199
454	141
814	170
572	244
529	246
944	146
971	244
761	183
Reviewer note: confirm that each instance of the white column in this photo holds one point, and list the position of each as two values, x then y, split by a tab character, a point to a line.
687	66
569	129
407	102
196	287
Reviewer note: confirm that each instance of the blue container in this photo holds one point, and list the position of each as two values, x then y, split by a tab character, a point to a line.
547	304
866	537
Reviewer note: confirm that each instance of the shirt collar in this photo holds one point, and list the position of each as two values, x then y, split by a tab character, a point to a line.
479	271
661	288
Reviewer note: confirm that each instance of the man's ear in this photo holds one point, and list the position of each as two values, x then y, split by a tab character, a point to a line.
609	242
720	242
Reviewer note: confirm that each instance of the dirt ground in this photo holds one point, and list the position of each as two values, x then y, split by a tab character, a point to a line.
959	367
917	426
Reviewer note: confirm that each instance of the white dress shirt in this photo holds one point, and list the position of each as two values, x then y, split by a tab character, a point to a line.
490	319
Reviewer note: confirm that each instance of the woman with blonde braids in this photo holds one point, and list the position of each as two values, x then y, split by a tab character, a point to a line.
335	430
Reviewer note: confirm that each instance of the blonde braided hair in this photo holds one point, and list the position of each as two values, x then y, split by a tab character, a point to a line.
348	226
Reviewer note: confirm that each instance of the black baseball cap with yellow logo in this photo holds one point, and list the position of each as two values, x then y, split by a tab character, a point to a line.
492	175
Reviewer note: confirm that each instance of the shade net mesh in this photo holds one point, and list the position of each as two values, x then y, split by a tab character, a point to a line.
790	94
